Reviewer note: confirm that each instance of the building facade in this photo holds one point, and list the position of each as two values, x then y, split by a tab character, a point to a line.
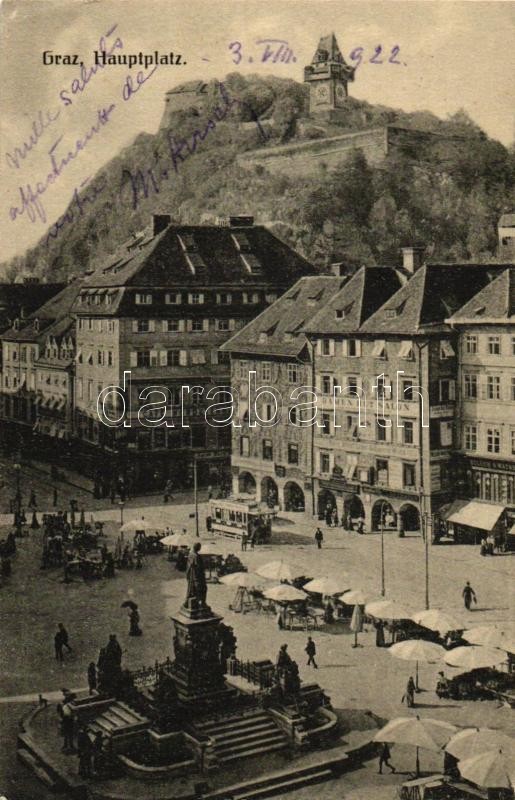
159	310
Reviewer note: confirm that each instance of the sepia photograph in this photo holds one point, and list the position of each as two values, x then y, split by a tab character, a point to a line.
257	400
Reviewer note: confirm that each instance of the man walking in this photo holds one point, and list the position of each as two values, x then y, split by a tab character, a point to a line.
311	652
64	637
468	595
58	646
384	758
319	538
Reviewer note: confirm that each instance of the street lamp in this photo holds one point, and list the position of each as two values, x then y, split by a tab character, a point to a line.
424	518
195	493
121	504
383	504
17	497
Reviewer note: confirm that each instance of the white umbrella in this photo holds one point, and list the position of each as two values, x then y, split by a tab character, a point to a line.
491	636
326	585
247	579
356	623
417	650
354	597
285	593
474	657
139	525
278	571
430	734
437	620
492	770
169	541
387	609
475	741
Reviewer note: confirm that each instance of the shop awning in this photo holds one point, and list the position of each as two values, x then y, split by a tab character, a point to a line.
477	515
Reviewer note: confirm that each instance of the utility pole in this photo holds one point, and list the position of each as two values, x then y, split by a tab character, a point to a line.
382	554
195	493
427	534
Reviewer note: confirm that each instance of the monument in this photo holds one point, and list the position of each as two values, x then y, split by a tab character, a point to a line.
197	670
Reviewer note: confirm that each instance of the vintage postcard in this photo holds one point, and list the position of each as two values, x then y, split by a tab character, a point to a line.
257	400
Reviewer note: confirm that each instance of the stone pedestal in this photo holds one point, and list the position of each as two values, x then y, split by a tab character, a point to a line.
196	670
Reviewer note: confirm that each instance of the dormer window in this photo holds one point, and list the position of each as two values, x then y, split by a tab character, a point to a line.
390	313
36	324
16	325
446	349
263	336
406	350
379	349
143	299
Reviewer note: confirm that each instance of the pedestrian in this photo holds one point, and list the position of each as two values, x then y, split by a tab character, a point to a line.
85	752
32	501
328	514
98	753
379	626
58	646
468	594
244	540
361	525
64	636
409	694
92	677
319	538
67	726
134	629
54	497
311	651
384	758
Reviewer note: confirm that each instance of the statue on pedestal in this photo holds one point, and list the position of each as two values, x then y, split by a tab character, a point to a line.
196	578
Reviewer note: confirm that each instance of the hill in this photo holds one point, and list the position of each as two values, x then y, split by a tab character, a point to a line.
449	197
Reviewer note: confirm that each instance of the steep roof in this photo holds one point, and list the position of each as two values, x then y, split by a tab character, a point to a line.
429	298
359	297
202	255
494	303
279	329
51	312
330	46
26	297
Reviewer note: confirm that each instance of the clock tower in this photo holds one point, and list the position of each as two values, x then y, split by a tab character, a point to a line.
327	76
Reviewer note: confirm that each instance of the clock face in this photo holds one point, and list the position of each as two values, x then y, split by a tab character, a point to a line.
340	93
322	93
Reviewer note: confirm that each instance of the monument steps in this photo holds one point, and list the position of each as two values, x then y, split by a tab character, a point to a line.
256	751
243	736
118	719
255	731
276	783
32	762
233	723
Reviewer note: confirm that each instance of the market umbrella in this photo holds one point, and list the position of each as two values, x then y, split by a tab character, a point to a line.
326	585
387	609
136	525
278	571
430	734
491	636
417	650
284	593
169	541
474	657
354	597
494	769
247	579
437	620
356	623
475	741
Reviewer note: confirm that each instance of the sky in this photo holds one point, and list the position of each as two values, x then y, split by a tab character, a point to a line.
453	55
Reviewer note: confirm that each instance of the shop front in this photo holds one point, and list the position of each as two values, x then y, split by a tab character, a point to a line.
471	521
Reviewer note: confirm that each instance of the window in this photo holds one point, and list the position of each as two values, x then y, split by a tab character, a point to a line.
513	388
446	350
352	384
513	345
222	324
325	463
326	347
266	371
493	440
293	453
471	343
90	390
326	424
406	350
100	358
271	297
382	471
293	373
327	384
143	299
470	437
244	446
79	388
293	417
195	298
109	358
268	450
493	387
224	298
494	345
408	476
381	430
197	325
243	369
447	390
171	325
470	386
250	298
353	348
269	412
172	358
407	431
513	441
174	299
407	390
142	325
379	349
23	355
352	426
383	388
143	358
446	433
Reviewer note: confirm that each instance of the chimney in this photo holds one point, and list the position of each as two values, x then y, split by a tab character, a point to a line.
413	257
160	222
337	269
